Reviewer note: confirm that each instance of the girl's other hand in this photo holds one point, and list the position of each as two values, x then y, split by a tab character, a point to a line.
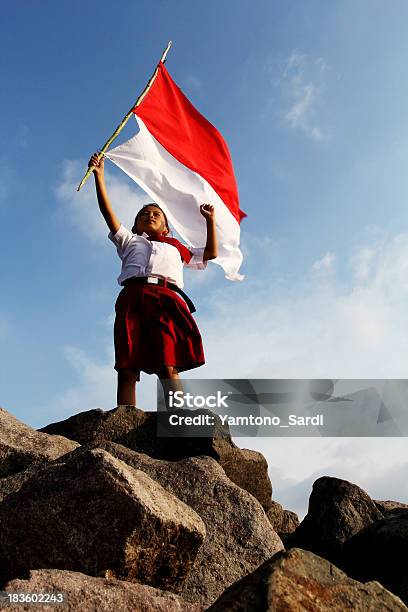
98	164
208	211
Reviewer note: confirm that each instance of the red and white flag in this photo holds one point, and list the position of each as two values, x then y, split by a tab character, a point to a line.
182	161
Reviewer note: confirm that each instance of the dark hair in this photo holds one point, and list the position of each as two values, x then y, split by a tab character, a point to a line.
142	209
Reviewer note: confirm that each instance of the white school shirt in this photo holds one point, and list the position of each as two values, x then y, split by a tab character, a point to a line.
142	257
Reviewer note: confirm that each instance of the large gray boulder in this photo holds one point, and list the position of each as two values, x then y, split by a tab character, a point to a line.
21	445
95	514
88	594
379	552
239	535
137	430
337	510
300	581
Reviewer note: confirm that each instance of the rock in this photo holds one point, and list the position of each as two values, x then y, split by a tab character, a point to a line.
247	468
98	424
93	514
337	510
87	594
299	580
275	514
290	522
283	521
385	506
379	552
13	483
21	445
137	430
239	535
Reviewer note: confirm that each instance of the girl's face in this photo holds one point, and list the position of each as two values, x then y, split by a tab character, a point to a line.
152	221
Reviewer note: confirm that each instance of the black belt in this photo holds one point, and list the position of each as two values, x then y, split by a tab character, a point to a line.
162	282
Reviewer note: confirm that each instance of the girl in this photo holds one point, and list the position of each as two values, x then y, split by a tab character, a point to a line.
154	330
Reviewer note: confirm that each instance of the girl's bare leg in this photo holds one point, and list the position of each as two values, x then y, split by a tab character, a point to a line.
170	376
126	395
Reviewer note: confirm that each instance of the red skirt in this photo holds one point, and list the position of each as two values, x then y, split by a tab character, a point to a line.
154	327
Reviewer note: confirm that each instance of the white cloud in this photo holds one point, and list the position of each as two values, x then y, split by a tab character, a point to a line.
82	207
313	330
377	465
325	265
295	116
260	247
96	385
302	84
362	262
200	278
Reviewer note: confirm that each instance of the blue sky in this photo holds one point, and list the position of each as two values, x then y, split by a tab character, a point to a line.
311	98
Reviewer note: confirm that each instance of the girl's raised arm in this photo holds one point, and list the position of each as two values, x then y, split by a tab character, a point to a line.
104	204
211	247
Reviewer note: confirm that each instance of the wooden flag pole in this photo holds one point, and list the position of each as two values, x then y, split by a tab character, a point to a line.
127	116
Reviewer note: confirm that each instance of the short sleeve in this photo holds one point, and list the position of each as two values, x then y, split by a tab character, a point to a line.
122	238
196	261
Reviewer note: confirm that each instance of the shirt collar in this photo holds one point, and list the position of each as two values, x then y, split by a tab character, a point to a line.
159	239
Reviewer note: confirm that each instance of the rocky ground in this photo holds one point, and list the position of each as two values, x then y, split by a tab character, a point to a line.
100	508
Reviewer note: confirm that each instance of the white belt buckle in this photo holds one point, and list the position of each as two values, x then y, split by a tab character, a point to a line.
153	280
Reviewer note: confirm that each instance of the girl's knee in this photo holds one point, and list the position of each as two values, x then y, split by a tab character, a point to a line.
130	376
168	372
